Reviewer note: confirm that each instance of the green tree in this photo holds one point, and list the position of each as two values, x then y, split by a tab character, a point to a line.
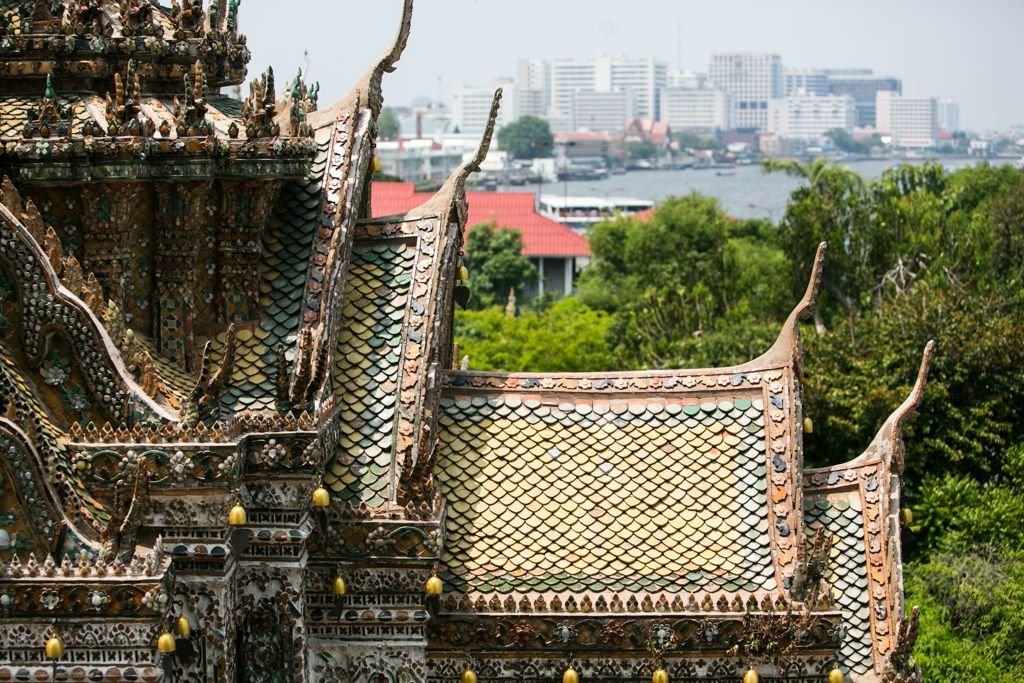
496	264
388	126
687	139
565	337
528	137
641	149
690	286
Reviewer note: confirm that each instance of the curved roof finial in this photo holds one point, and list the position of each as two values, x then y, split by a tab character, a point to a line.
807	303
367	91
787	346
888	443
456	183
371	84
391	57
913	401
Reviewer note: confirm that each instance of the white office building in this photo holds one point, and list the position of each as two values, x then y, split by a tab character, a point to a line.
753	80
535	75
603	112
641	77
700	109
948	115
806	82
911	121
809	117
471	106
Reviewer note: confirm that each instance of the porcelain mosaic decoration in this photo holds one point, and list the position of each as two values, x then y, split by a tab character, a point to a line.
235	444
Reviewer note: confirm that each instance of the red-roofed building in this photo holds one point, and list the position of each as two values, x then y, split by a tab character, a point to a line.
557	251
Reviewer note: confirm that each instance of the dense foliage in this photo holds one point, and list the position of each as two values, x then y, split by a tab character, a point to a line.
918	254
494	261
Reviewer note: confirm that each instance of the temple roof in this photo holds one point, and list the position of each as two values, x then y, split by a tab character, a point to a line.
621	496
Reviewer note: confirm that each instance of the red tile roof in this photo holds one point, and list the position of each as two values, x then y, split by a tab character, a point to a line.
541	236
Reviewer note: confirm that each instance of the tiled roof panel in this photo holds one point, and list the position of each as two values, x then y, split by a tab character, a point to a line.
14	110
841	514
367	361
630	496
286	251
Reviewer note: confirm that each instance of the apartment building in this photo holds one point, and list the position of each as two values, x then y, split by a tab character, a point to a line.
911	121
753	80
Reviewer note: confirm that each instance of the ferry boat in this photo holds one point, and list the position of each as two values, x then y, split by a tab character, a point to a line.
579	213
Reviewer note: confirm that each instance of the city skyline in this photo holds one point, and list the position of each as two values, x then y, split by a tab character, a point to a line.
931	46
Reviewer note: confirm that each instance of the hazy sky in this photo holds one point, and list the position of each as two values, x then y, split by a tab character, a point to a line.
971	51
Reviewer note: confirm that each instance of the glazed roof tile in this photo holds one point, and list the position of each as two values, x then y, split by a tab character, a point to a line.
841	515
367	364
286	250
633	495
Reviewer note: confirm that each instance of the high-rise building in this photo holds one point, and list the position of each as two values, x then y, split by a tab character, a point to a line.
642	77
806	82
948	115
862	85
471	106
809	117
752	80
911	121
604	112
703	109
535	74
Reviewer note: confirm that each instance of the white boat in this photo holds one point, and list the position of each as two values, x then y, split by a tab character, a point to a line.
579	213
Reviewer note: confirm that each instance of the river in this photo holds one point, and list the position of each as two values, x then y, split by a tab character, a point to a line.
747	193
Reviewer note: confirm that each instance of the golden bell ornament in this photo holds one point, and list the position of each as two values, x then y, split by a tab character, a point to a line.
751	676
660	676
463	274
182	626
906	516
339	587
468	676
54	648
238	516
165	643
570	676
321	497
835	675
434	586
808	426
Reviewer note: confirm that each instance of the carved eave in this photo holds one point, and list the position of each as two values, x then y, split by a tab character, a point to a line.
77	599
109	380
120	588
871	484
83	53
350	127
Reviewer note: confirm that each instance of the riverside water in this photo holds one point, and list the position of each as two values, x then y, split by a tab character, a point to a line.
744	191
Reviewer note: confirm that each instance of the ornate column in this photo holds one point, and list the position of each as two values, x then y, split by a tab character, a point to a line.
182	214
245	210
110	214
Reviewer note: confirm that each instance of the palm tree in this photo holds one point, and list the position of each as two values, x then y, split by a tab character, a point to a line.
814	172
